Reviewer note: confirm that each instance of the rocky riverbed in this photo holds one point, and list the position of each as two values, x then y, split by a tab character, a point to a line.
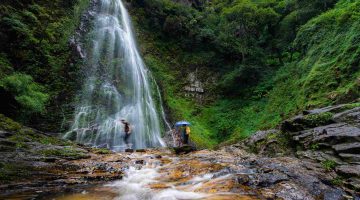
229	173
311	156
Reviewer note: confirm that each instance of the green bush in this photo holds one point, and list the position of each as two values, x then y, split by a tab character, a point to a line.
320	119
29	94
328	165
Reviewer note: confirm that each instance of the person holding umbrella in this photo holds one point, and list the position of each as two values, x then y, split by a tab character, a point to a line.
184	131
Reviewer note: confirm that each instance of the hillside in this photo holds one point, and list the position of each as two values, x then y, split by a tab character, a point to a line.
258	62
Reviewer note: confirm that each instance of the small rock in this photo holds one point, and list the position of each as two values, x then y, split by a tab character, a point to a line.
348	170
129	150
352	158
5	134
141	162
347	147
184	149
260	135
243	179
50	159
6	142
269	179
334	194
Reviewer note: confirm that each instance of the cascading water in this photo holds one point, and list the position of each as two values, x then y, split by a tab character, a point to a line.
117	86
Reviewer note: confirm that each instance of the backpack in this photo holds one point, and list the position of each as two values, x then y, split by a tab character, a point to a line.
187	130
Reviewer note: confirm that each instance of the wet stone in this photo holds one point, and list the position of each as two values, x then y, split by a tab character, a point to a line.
271	179
5	134
141	162
184	149
348	147
349	170
243	179
352	158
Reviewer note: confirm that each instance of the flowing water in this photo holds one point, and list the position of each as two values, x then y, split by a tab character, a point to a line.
117	86
158	175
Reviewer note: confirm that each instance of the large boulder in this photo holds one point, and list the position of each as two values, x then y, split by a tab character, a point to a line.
332	134
329	136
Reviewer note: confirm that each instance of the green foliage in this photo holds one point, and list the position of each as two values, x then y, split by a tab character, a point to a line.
328	165
27	93
269	59
314	146
5	66
8	124
21	135
66	152
314	120
101	151
338	181
34	40
272	59
331	56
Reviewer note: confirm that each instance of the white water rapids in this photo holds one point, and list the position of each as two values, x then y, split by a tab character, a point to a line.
134	185
117	86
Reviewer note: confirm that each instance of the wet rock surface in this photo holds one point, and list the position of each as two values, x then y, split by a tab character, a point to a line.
317	162
327	136
228	173
33	162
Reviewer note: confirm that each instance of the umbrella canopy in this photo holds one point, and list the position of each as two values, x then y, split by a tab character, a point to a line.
180	123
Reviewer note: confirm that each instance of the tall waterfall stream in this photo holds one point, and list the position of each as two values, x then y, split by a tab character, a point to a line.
117	86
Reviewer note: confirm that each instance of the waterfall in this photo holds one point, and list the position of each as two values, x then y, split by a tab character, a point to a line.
117	86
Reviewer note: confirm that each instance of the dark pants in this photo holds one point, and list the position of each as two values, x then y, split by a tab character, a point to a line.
126	138
185	138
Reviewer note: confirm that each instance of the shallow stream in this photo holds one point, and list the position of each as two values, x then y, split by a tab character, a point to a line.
168	177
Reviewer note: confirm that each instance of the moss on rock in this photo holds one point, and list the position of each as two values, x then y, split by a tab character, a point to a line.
69	153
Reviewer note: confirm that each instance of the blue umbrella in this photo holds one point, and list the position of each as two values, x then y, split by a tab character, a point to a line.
180	123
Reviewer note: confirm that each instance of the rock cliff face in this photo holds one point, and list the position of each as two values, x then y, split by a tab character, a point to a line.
198	85
329	136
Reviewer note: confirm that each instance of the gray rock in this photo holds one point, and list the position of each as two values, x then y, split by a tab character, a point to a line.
347	147
349	170
319	156
354	182
6	142
260	136
243	179
335	194
332	134
352	158
332	109
350	116
5	134
268	179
